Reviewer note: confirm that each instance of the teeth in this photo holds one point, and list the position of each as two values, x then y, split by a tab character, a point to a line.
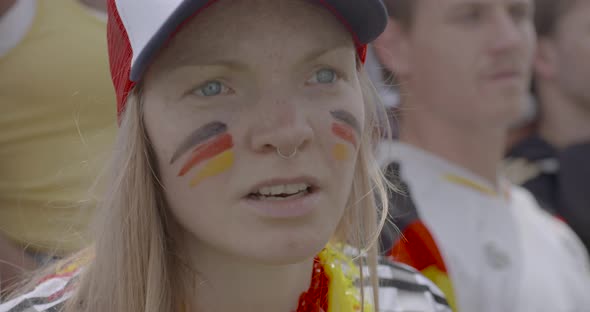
285	189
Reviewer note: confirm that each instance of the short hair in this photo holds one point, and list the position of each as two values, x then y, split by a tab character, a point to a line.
402	11
548	14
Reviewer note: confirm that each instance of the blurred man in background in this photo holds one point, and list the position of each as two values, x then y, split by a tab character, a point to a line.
464	68
554	163
56	121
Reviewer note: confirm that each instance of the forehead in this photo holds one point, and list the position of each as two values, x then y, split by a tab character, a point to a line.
257	28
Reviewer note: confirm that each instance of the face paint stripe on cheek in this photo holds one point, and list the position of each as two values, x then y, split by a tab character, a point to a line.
347	118
344	132
340	152
199	136
205	151
215	166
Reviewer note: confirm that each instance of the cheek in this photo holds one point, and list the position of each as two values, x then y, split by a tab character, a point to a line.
207	163
341	152
203	154
345	131
573	67
575	54
431	68
346	141
193	173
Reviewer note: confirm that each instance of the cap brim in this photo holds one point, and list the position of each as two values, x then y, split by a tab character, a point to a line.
365	27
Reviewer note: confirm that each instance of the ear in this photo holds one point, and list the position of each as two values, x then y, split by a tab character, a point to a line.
545	63
392	48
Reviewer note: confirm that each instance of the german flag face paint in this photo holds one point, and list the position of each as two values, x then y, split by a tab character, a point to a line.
346	127
211	145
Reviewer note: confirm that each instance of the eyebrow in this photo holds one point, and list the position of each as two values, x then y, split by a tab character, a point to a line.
199	136
319	53
220	64
232	64
347	118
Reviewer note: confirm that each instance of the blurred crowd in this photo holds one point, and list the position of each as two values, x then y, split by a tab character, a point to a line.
489	104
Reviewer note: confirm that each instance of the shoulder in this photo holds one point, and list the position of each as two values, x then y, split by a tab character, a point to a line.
534	216
528	209
402	288
530	213
50	292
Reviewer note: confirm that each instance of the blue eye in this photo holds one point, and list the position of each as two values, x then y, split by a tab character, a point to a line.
211	88
324	76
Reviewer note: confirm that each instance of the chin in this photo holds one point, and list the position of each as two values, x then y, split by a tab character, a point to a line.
287	248
506	108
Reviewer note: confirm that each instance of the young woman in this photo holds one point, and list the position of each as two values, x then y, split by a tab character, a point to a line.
243	176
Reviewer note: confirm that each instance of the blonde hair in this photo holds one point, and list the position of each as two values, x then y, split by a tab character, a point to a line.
135	261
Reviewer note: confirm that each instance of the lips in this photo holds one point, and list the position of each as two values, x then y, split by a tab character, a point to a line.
283	188
504	70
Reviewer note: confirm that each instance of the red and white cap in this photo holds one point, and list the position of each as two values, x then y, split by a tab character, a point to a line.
137	29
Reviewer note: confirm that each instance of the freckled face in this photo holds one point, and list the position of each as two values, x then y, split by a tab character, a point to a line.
226	94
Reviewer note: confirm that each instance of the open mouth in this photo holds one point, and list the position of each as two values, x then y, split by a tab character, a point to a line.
282	192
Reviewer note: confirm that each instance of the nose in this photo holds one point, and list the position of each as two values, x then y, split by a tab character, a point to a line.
507	33
282	129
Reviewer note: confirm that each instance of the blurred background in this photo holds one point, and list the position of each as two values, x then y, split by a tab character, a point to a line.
58	123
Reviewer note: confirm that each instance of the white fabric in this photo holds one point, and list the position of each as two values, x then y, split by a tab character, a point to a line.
419	294
502	253
15	23
147	18
48	294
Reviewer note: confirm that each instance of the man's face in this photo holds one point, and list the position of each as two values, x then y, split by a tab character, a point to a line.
469	61
571	43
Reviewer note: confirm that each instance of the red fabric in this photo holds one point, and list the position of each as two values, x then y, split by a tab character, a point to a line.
418	249
560	219
315	299
120	55
59	275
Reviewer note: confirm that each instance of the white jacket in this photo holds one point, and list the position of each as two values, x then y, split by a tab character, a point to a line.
502	252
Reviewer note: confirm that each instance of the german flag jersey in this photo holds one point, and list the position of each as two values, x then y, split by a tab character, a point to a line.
401	289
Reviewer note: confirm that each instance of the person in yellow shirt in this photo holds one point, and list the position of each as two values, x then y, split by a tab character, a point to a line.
56	125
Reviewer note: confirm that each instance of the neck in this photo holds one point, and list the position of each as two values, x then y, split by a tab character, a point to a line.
564	122
478	150
229	283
